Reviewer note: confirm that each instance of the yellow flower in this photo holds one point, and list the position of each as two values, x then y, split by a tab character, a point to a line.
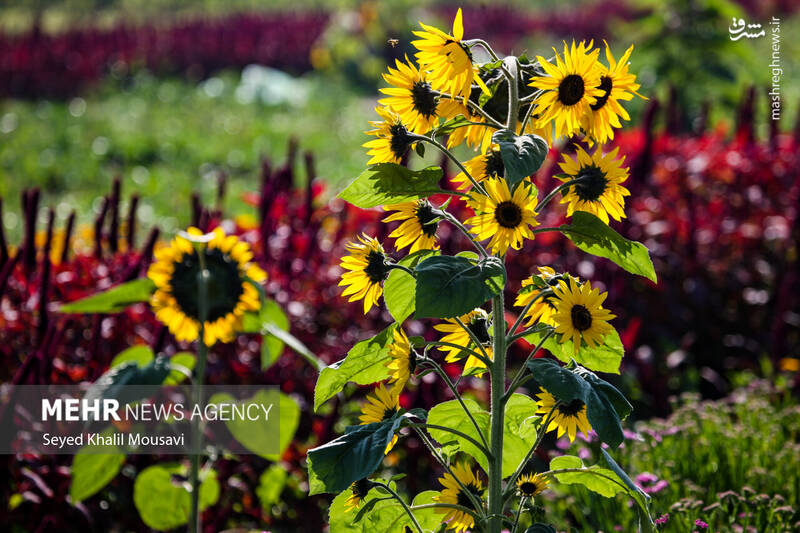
230	293
366	270
478	137
571	86
403	360
359	490
411	97
448	60
567	418
542	309
616	84
453	494
580	313
478	323
504	218
393	139
381	405
418	228
530	485
482	167
600	191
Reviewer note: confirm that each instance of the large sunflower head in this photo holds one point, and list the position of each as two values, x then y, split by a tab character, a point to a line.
418	227
403	360
542	309
448	60
381	405
393	141
571	86
482	167
230	294
453	494
358	491
530	485
411	97
566	418
367	267
600	189
505	218
616	84
479	324
580	315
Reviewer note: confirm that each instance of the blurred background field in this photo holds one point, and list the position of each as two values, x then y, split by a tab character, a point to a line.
137	114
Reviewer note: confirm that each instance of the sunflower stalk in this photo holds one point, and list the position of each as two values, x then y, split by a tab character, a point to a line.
452	158
509	491
475	340
497	422
481	447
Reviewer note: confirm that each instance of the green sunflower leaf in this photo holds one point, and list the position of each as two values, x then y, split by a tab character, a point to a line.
270	485
365	363
522	155
114	382
400	288
597	479
390	183
113	300
605	405
605	357
593	236
164	503
450	286
91	471
269	316
355	455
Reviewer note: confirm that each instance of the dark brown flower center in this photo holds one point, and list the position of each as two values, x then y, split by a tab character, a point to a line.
494	164
479	327
427	218
528	488
424	99
376	267
360	488
464	499
400	140
224	284
508	214
571	409
592	183
571	90
388	413
605	85
581	317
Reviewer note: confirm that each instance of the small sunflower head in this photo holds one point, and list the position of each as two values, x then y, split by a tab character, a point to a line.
453	494
565	417
403	362
530	485
358	491
367	267
503	217
381	405
419	224
394	138
579	314
598	188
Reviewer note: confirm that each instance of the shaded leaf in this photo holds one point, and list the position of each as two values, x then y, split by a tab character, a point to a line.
113	300
450	286
522	155
390	183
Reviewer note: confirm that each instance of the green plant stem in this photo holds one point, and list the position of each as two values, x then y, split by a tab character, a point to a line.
511	70
483	45
403	503
529	112
452	158
475	340
543	430
497	422
445	506
195	524
481	447
476	108
521	316
519	513
401	267
555	191
442	374
518	378
471	352
457	223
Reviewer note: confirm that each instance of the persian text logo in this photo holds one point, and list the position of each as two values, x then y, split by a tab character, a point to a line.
740	29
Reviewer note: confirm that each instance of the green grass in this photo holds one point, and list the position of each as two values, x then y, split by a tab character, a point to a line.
167	139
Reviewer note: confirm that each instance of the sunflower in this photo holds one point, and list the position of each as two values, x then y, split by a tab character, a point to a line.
580	313
453	494
381	405
478	323
505	218
477	137
403	360
418	228
393	138
411	97
542	309
567	417
616	84
571	86
231	290
600	191
359	490
367	269
448	60
482	167
529	485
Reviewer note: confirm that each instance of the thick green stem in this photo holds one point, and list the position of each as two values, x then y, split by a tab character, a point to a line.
498	383
511	69
195	525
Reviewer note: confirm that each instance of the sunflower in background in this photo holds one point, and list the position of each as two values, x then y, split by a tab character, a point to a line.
231	289
366	270
418	227
530	485
580	315
542	309
505	218
482	167
453	494
403	360
358	491
600	191
477	321
411	97
567	418
393	139
381	405
616	84
571	86
448	59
